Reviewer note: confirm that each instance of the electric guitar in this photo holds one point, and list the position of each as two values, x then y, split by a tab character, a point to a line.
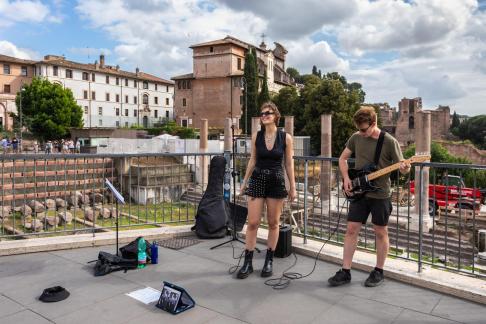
362	179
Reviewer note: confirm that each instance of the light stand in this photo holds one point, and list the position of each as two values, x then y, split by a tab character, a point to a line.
234	174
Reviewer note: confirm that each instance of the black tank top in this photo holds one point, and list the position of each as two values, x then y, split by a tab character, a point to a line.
270	159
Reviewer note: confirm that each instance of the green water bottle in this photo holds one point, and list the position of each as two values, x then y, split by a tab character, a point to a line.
142	254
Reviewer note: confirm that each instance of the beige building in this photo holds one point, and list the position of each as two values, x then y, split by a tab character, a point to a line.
214	89
14	73
108	95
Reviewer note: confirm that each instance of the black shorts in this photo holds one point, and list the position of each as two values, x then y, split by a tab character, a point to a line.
265	183
380	210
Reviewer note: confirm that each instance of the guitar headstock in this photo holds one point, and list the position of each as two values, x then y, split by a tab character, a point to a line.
420	158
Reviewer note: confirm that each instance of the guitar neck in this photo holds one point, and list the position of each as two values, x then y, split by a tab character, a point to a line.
384	171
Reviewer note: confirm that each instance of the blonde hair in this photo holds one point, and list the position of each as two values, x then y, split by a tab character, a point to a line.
274	108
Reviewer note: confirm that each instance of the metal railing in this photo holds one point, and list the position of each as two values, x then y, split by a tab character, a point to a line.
444	236
61	194
58	194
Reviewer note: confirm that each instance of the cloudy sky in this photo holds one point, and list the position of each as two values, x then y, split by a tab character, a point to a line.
435	49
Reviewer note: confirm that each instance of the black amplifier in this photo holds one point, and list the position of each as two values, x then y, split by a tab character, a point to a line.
284	244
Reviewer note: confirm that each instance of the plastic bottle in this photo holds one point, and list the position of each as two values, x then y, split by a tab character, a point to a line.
142	254
154	253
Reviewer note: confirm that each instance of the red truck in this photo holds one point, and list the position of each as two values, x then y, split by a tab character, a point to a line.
452	192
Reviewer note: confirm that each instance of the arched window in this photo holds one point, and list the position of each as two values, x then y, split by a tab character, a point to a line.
145	99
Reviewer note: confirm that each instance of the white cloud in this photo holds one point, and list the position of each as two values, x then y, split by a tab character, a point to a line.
303	54
22	11
428	48
397	25
7	48
290	19
156	38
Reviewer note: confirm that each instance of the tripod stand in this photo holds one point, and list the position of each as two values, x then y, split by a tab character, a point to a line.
234	174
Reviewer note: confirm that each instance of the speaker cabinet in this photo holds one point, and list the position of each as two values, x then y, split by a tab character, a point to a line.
284	244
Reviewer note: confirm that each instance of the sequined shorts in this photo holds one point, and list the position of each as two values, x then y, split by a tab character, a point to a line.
265	183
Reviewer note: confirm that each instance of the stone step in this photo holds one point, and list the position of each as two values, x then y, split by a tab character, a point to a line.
34	177
9	166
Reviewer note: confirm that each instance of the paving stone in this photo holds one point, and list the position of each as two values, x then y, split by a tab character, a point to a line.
459	310
8	307
220	298
410	316
24	317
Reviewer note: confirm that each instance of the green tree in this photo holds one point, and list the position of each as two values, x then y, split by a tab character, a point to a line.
330	97
455	121
48	110
294	74
473	129
251	96
264	96
439	154
290	103
314	70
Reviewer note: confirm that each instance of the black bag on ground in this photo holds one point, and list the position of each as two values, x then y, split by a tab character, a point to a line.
130	251
212	211
108	262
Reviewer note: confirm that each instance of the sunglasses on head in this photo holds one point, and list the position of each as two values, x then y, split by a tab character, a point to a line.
266	113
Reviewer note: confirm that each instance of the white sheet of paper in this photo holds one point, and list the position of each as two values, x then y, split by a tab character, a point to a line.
146	295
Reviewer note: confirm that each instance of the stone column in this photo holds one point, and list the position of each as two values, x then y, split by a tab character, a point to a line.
289	125
203	148
255	124
423	135
326	151
228	145
289	129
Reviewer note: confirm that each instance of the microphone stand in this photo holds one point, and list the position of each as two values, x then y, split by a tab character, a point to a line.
234	174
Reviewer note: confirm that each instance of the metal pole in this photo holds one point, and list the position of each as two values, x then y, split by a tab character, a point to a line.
246	114
20	112
306	173
421	190
116	223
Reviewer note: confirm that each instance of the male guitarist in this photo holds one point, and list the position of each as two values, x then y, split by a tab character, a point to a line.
364	144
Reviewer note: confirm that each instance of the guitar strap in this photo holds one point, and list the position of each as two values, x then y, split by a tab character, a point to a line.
379	146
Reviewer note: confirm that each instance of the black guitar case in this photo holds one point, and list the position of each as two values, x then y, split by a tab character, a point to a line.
212	212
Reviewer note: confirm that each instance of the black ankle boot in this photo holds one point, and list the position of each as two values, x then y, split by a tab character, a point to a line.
267	270
247	266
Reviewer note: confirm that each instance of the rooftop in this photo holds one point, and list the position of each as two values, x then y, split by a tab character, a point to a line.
220	298
96	67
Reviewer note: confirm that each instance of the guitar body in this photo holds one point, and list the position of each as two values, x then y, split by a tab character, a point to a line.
360	183
362	180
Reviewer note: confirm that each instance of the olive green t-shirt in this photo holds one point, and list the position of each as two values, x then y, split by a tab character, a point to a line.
364	152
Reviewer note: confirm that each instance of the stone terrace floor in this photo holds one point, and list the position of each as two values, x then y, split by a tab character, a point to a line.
219	297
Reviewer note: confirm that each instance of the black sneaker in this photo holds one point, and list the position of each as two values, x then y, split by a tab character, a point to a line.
376	278
340	278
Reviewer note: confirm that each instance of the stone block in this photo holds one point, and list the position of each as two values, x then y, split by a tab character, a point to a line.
50	204
65	217
89	214
5	211
60	203
36	206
